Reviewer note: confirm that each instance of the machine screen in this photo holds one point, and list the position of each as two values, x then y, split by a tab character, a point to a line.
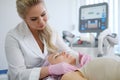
93	18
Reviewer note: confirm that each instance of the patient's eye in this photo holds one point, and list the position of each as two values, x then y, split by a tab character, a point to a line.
33	19
56	56
44	14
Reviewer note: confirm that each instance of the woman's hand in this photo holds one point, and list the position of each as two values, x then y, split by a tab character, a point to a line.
83	59
61	68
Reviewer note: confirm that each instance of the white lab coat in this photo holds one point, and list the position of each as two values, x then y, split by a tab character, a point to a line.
24	55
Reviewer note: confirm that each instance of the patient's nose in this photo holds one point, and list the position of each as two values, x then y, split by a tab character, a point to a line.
63	53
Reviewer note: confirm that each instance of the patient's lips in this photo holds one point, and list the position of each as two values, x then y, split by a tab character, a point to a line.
68	55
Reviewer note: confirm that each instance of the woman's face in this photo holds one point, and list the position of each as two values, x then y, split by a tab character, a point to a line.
62	57
36	17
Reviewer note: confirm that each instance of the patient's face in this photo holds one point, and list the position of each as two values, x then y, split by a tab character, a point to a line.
61	57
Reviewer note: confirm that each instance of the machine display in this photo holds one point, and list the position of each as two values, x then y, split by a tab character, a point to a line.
93	18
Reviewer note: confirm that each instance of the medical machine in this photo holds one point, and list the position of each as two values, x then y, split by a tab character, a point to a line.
94	19
68	36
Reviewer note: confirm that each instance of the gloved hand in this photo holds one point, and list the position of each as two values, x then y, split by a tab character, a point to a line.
61	68
83	59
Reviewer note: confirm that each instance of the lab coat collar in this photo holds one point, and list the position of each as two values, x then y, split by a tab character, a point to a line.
31	43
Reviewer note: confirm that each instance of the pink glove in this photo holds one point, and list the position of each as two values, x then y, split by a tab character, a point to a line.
61	68
83	59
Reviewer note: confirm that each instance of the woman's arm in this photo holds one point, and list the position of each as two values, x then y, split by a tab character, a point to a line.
18	69
44	72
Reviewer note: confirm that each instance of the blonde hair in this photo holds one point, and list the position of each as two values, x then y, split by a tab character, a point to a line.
46	34
24	5
22	8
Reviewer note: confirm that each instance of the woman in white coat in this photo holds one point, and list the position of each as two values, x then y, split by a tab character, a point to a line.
28	44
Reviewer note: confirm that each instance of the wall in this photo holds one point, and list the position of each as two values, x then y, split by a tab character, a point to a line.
119	24
60	18
8	19
61	14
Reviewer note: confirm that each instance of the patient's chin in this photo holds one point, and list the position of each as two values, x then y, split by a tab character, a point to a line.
73	62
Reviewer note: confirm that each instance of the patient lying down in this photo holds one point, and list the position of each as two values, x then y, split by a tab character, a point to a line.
97	69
